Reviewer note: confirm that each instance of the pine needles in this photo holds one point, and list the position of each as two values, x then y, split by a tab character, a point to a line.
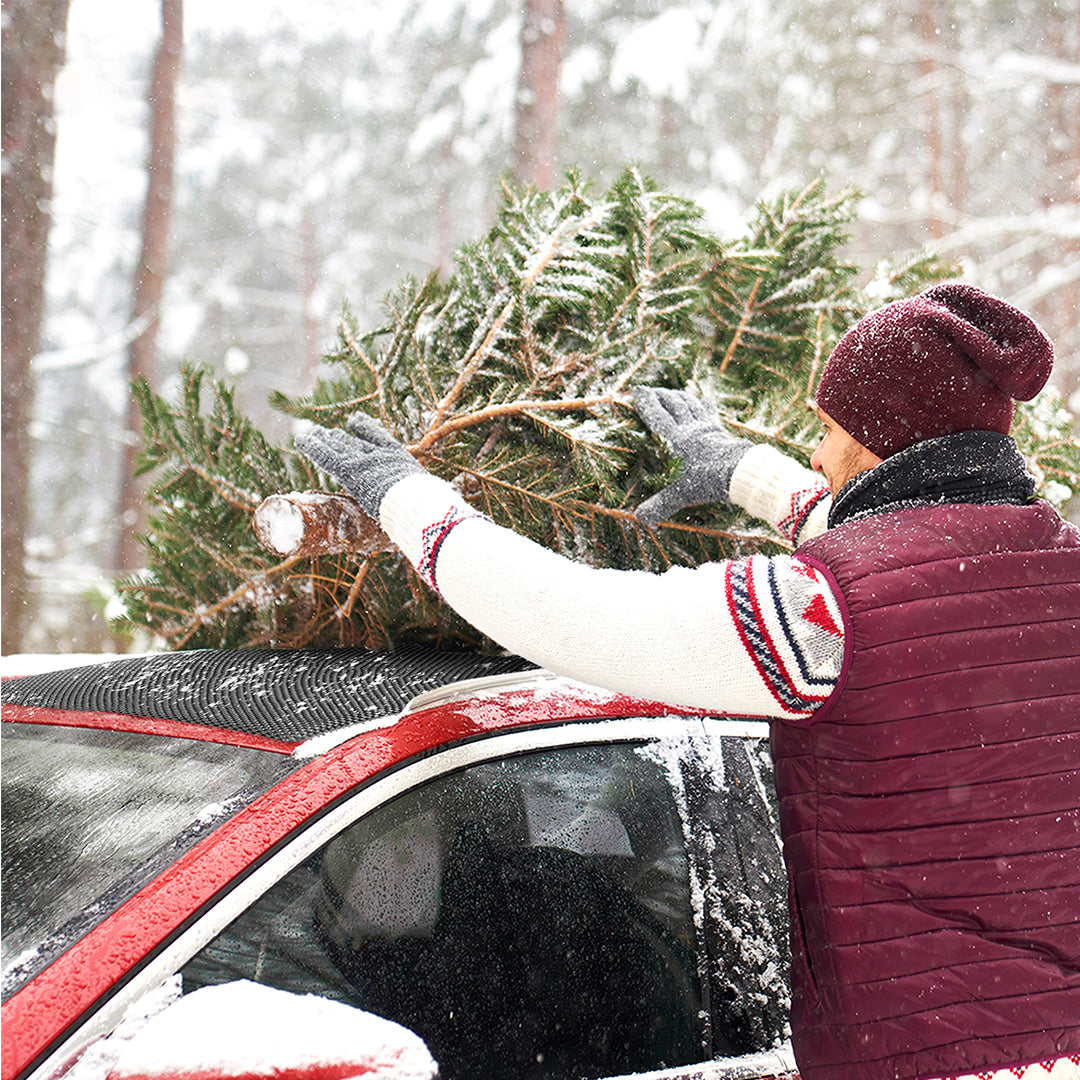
511	379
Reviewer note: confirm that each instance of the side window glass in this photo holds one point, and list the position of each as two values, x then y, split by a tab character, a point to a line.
725	791
528	918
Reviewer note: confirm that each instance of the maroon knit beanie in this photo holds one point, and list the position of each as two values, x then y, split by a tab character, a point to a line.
951	359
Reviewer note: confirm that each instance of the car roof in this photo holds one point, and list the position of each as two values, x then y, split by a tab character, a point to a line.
286	695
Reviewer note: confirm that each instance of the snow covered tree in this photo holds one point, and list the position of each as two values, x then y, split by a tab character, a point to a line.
511	378
314	166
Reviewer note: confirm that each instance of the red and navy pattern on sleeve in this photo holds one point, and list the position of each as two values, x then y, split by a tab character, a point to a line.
433	538
790	626
801	506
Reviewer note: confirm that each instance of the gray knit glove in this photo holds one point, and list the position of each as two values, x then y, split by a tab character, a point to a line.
695	433
366	463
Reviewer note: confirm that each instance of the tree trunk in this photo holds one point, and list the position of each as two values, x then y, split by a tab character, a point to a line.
536	135
1058	312
151	270
309	283
444	241
317	523
929	69
33	52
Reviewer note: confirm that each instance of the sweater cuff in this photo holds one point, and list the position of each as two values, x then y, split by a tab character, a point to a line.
793	499
412	506
418	513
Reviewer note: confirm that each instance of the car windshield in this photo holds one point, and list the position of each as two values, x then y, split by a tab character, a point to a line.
90	816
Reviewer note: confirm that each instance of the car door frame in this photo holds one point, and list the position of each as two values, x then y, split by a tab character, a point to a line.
346	782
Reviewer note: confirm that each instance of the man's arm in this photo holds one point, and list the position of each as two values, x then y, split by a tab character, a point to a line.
793	499
758	637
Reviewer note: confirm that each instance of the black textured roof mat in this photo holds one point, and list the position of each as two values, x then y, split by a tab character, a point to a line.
285	694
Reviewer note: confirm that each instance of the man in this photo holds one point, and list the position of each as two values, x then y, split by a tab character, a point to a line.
919	655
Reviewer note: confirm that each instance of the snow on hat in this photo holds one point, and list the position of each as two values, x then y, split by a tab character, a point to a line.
951	359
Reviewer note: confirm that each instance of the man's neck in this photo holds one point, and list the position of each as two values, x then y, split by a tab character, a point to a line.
977	467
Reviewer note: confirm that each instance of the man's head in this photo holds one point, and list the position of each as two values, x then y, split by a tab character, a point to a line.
839	456
951	359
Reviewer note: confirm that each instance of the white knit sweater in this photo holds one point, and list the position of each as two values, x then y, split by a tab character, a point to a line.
761	636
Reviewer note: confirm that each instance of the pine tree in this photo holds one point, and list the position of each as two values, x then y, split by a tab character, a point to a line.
511	379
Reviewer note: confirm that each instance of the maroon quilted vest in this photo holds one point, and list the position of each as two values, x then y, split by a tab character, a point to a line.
930	813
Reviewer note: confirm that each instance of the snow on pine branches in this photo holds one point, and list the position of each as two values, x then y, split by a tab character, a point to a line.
511	378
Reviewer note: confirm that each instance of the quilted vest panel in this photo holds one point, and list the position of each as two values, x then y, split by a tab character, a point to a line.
931	813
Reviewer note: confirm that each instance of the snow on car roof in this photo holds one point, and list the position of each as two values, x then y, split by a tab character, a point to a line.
286	694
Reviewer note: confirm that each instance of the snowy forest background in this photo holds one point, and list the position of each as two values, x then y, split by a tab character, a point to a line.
324	150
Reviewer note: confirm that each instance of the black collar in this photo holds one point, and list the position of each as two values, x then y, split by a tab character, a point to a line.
968	467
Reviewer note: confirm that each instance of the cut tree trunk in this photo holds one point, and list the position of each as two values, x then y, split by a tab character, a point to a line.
317	523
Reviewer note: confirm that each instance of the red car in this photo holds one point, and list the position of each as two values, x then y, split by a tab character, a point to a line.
539	879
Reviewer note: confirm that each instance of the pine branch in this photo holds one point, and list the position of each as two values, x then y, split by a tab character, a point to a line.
207	615
511	378
497	412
